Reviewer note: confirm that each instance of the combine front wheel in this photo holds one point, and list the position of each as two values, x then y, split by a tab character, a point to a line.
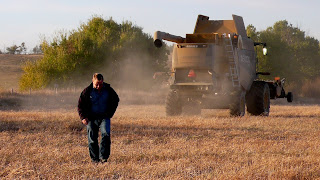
173	104
237	108
289	97
258	99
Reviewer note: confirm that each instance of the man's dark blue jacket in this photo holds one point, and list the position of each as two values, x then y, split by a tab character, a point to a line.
84	103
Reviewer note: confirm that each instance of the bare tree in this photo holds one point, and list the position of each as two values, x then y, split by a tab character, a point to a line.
12	49
37	50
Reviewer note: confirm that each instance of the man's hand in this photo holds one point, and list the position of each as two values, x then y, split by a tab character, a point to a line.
85	121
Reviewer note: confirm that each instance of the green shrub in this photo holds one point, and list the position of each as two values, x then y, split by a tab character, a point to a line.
98	45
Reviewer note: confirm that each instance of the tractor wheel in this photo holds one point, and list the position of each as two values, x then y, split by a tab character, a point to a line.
173	104
258	99
238	107
289	97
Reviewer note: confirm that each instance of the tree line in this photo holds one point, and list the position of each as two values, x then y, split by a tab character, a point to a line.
121	51
291	53
22	49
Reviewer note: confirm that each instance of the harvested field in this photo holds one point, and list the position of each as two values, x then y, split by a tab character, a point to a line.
148	145
42	138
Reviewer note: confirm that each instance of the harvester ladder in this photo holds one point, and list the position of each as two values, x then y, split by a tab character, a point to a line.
232	63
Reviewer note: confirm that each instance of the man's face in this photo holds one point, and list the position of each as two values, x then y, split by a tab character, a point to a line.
97	84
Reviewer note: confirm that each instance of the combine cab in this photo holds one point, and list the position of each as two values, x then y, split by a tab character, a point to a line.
215	68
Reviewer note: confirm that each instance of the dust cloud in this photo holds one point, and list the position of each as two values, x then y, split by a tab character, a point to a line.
132	78
135	81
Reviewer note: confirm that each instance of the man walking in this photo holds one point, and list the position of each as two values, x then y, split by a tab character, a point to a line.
97	104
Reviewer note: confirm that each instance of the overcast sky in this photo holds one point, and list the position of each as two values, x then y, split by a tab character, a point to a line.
29	21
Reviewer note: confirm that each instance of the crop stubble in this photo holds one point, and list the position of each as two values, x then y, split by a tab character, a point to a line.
148	145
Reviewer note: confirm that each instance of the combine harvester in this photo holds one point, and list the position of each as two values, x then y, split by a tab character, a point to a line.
216	68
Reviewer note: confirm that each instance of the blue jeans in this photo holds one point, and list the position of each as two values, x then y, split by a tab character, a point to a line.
103	152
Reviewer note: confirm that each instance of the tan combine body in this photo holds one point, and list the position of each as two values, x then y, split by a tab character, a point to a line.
215	67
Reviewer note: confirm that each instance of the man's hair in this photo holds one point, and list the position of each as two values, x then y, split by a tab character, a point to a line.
97	76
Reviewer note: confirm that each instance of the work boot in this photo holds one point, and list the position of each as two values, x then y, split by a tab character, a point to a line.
95	162
104	160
